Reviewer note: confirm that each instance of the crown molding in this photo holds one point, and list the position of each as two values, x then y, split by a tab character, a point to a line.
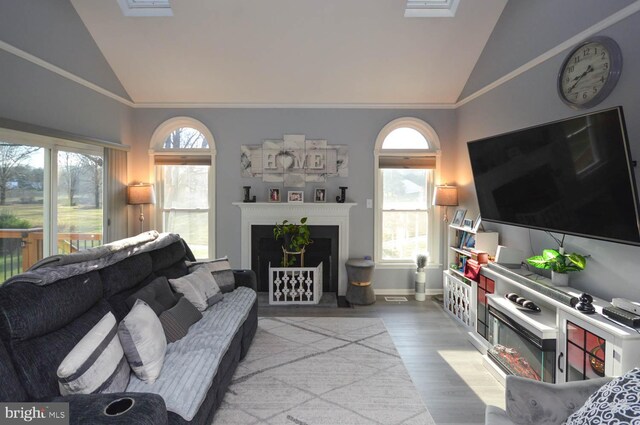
186	105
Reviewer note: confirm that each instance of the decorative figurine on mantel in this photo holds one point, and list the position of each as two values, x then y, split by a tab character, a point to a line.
247	194
343	195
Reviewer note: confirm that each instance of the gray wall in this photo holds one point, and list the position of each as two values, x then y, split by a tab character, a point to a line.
531	98
356	128
52	30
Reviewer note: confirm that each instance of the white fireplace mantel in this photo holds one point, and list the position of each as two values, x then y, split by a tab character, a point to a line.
318	214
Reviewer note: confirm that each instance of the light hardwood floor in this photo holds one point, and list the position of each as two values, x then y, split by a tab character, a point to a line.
446	369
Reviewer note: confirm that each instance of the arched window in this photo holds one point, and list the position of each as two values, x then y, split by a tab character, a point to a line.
184	153
406	160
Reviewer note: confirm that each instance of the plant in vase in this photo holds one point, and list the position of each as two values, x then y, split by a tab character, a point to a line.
559	263
295	238
421	277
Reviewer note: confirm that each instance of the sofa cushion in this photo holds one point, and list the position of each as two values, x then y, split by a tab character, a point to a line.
199	287
11	388
125	274
168	256
97	363
192	362
617	402
177	320
30	311
36	360
143	341
157	294
221	271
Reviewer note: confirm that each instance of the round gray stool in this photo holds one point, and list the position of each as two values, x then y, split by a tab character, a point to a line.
359	289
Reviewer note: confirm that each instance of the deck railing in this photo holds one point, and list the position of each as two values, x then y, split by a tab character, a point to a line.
22	248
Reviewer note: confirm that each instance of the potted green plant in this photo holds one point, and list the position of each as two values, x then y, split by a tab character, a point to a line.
295	238
421	277
559	263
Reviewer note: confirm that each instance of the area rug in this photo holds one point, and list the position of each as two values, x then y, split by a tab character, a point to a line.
322	371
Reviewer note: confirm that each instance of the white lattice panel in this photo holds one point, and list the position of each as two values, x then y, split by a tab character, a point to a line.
295	285
457	299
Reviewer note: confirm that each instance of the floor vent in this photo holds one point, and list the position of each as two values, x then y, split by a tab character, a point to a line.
396	299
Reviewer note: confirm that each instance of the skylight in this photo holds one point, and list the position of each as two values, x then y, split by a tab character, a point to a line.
431	8
145	7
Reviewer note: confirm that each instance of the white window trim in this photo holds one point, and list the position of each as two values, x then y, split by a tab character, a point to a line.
434	224
157	139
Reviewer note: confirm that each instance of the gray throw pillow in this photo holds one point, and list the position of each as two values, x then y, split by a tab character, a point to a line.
177	320
199	287
97	363
617	402
143	341
221	271
157	294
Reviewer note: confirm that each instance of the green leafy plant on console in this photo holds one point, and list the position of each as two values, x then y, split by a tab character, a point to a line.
295	238
558	262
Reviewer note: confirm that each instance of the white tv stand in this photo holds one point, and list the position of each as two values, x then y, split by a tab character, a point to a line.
587	346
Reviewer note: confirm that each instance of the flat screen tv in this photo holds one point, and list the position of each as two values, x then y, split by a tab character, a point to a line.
573	176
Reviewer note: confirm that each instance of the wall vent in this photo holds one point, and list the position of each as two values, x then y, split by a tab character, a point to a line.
431	8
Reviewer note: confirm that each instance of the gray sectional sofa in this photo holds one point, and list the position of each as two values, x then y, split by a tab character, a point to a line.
46	311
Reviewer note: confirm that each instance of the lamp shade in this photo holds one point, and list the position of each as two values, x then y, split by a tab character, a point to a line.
446	196
140	194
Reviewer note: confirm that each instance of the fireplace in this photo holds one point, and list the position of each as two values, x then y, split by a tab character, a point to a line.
319	215
324	249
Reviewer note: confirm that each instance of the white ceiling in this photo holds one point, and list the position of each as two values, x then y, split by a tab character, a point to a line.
291	52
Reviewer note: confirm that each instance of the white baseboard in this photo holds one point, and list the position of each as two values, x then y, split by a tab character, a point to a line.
404	291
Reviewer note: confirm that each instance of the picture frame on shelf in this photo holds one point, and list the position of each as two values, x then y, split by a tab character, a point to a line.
476	224
295	196
458	217
274	194
320	194
467	223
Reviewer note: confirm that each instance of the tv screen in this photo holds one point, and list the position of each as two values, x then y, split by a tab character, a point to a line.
573	176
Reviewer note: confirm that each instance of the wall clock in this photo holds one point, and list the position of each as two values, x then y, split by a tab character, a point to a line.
590	72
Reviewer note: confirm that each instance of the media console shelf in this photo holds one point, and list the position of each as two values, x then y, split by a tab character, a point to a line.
587	345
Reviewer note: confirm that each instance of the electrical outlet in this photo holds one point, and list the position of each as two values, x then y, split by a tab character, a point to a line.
369	203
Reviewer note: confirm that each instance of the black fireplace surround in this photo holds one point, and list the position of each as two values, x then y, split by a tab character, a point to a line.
265	249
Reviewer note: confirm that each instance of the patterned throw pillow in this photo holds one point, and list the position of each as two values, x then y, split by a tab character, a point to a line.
617	402
97	363
143	341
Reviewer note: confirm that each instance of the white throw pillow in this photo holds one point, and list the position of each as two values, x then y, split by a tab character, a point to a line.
199	287
143	341
97	363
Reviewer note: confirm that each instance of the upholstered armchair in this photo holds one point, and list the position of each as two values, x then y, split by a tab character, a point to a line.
531	402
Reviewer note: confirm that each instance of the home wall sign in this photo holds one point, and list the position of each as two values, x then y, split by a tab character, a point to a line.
294	161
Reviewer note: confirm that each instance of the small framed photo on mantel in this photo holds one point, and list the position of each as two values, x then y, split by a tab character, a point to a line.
320	195
274	194
458	217
295	196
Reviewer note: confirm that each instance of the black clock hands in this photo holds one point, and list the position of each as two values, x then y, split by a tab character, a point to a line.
580	77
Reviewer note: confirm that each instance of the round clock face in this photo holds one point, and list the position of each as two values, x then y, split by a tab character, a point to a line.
590	72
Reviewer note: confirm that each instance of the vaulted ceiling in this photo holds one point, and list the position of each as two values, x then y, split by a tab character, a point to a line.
291	52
